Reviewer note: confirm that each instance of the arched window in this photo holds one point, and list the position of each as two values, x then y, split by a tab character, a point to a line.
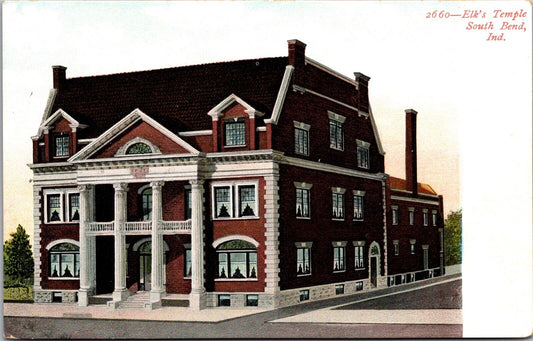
65	260
146	203
237	259
139	148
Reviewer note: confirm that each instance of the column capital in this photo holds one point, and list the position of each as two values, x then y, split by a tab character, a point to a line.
83	188
157	184
196	182
120	187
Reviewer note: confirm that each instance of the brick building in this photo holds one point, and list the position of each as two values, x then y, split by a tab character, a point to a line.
248	183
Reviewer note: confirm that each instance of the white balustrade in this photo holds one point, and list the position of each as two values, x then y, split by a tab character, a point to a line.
99	228
137	227
169	227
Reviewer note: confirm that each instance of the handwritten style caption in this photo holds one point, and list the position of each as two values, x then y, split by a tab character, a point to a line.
496	23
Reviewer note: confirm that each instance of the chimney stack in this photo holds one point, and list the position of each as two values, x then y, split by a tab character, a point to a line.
361	95
60	75
410	151
296	53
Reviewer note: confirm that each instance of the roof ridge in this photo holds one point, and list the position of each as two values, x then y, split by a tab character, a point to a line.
173	67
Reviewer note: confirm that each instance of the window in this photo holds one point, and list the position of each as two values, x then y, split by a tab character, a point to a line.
188	262
413	242
304	295
358	286
188	204
394	215
338	259
235	132
54	209
434	217
252	300
359	255
303	258
65	261
336	135
426	217
411	216
302	199
339	289
74	207
61	145
363	158
235	200
396	247
301	138
146	203
358	205
338	203
224	300
237	259
139	148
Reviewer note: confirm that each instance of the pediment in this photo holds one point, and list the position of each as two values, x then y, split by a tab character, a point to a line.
135	131
218	110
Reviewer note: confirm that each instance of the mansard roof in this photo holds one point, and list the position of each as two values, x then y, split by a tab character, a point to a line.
178	98
401	184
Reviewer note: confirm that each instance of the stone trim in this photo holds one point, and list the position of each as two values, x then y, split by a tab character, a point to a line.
301	125
336	117
271	217
37	207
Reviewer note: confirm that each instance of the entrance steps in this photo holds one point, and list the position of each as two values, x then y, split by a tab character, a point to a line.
138	300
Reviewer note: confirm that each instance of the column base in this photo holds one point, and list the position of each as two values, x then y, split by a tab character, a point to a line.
83	296
156	295
197	301
120	294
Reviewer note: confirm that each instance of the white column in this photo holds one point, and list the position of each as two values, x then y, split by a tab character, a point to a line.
120	293
271	198
197	296
85	255
157	290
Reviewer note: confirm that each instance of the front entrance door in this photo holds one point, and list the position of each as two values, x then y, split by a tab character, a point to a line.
145	267
374	271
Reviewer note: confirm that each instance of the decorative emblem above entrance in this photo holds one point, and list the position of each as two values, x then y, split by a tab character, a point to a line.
139	172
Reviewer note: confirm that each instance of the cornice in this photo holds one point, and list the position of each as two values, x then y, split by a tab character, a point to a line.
415	200
52	167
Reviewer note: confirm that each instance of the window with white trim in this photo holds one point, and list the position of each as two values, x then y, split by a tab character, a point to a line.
358	205
138	148
235	132
234	200
396	247
61	142
237	259
64	261
426	217
359	255
411	215
336	132
188	204
187	273
146	203
394	215
363	154
339	256
413	242
303	258
434	217
338	203
303	201
61	205
301	138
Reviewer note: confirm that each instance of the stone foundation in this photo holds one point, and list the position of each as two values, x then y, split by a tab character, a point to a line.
43	296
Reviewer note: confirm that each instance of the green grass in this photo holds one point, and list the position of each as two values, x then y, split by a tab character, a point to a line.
18	294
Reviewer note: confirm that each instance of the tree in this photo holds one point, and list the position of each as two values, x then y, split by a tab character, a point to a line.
453	230
18	259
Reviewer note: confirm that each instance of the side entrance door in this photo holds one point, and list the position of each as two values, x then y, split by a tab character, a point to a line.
145	267
374	271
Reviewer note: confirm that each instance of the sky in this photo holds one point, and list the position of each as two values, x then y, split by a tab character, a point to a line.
473	95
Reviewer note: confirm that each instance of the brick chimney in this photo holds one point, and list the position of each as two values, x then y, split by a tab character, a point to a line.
296	53
410	151
60	75
361	96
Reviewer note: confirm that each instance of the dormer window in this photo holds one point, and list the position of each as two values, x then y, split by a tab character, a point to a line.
139	148
235	129
61	145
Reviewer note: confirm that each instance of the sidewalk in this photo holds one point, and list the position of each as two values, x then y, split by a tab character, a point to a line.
218	314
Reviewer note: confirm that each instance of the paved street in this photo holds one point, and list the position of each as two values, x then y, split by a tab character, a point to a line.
443	297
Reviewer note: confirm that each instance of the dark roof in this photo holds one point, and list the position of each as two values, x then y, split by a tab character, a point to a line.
401	184
178	98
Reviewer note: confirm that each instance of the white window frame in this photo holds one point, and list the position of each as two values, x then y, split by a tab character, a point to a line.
305	127
361	194
359	244
340	192
233	210
67	211
235	120
342	246
395	217
411	216
304	245
363	146
426	216
339	120
413	243
64	202
396	244
434	217
307	187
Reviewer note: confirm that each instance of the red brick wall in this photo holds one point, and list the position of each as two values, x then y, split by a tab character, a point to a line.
144	130
322	230
234	110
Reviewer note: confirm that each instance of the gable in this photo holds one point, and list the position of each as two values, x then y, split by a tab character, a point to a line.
140	132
